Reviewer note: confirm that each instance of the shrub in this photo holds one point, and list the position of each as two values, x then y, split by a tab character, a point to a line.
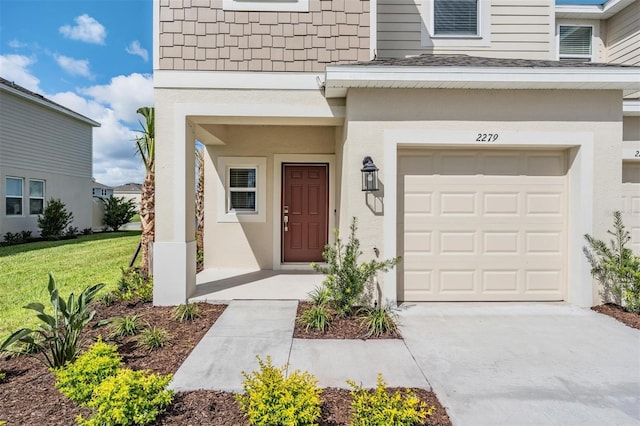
59	337
118	212
87	231
135	285
317	317
108	298
54	220
186	312
379	408
616	266
77	380
320	296
130	325
128	397
380	320
71	231
11	239
271	399
3	376
346	278
153	338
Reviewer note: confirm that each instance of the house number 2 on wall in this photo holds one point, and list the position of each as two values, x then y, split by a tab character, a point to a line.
487	137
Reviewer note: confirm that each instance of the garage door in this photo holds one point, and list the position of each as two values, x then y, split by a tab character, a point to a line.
482	225
631	202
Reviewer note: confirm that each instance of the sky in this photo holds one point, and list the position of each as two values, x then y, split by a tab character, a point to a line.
92	56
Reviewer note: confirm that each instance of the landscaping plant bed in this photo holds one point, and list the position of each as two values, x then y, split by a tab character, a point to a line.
340	328
628	318
28	395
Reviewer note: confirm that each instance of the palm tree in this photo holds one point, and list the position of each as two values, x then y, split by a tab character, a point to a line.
200	200
146	146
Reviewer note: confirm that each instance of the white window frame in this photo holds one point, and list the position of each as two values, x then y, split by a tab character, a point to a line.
594	45
268	5
231	190
481	39
13	196
43	198
225	164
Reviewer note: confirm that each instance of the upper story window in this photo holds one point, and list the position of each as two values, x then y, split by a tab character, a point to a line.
268	5
36	196
575	42
455	17
13	196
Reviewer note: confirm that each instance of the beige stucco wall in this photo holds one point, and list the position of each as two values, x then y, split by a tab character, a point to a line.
251	244
631	129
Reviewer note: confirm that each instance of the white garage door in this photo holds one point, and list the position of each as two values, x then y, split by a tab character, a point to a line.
482	225
631	202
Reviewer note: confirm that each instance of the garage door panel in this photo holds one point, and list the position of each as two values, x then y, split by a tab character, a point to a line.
631	202
493	229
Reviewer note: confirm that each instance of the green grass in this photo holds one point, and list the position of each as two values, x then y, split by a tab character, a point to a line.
136	218
75	264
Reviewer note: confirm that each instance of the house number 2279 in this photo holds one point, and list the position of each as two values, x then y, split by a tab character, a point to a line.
487	137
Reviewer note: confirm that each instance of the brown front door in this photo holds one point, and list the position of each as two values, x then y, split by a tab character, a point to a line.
304	212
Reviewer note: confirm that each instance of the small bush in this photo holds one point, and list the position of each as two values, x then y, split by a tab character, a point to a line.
379	408
54	220
3	376
11	239
135	285
271	399
379	321
153	338
118	212
130	325
77	380
127	398
71	231
186	312
87	231
108	298
320	296
317	317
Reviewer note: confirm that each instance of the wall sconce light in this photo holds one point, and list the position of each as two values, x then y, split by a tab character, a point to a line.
369	175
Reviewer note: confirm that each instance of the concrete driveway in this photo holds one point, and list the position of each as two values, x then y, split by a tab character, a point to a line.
526	364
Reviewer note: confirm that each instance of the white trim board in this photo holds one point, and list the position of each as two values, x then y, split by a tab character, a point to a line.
169	79
580	189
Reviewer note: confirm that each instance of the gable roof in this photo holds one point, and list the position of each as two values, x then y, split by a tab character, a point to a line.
128	187
11	87
471	72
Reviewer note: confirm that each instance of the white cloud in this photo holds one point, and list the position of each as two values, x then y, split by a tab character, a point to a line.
16	68
73	66
16	44
87	29
135	49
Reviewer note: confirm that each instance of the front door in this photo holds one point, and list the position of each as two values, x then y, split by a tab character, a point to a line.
304	212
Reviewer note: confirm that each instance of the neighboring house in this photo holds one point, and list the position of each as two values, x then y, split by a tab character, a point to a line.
100	193
498	128
45	152
101	190
129	191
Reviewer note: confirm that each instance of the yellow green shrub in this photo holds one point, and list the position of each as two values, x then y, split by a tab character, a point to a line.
270	399
380	408
129	398
78	379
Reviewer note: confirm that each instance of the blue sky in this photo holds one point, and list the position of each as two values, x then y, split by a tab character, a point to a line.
93	56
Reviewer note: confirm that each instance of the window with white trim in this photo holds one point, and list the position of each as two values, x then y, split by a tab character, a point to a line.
36	196
242	189
575	42
455	17
13	196
456	23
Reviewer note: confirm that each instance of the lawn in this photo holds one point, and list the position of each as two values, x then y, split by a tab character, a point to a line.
75	264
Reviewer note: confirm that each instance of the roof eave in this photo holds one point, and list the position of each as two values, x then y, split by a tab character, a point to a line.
607	10
340	78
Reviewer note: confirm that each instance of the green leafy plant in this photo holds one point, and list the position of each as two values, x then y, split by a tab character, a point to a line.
135	285
71	231
54	219
108	298
380	320
186	312
130	325
320	295
87	231
153	338
3	376
128	398
59	337
78	379
317	317
118	212
11	238
380	408
346	279
271	399
616	266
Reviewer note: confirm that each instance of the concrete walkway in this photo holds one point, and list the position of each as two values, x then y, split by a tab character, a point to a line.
490	364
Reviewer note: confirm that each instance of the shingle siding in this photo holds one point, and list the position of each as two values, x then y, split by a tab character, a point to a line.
200	35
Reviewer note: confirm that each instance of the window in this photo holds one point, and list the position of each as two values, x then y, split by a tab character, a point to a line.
242	189
13	195
36	196
455	17
575	42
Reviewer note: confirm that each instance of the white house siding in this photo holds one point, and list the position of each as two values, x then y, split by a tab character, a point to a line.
518	30
623	36
39	143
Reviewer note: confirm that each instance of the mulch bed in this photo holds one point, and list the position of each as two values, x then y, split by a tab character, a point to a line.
340	328
28	395
628	318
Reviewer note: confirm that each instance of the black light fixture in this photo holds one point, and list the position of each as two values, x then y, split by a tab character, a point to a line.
369	175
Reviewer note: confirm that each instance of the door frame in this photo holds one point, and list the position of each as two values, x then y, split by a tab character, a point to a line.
278	161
